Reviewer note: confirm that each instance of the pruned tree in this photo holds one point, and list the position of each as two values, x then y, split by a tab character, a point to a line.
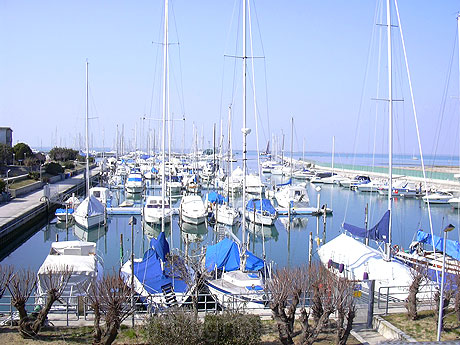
457	297
322	287
110	299
5	276
419	274
188	268
285	288
346	310
447	296
21	286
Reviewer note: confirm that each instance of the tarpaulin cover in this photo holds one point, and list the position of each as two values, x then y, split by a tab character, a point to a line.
215	197
160	245
378	233
255	204
149	273
452	247
89	206
225	255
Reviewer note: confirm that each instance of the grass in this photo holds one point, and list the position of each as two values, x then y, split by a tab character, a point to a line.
20	184
425	327
137	335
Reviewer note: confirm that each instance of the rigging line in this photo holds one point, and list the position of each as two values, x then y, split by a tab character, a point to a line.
416	121
364	87
442	109
180	60
265	69
155	72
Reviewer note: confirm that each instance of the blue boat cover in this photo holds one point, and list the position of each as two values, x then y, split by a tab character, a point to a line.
452	247
225	255
266	206
154	170
215	197
160	245
378	233
149	273
285	184
136	179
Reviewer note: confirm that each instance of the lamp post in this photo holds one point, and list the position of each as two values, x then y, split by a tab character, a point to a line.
7	184
132	222
448	228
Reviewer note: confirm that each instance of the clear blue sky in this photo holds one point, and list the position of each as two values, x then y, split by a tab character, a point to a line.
315	61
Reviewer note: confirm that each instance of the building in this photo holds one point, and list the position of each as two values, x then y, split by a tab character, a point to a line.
6	136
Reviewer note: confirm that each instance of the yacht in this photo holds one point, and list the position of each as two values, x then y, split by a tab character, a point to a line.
153	210
192	209
134	183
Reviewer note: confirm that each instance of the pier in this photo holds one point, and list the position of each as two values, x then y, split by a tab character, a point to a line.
28	209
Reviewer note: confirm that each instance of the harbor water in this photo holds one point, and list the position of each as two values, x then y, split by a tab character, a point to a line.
285	244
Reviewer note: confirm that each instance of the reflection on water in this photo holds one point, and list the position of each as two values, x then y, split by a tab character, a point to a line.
153	230
286	242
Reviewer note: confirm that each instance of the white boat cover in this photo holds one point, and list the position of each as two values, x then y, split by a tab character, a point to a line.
90	206
76	255
357	258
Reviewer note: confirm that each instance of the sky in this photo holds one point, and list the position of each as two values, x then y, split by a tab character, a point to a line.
313	61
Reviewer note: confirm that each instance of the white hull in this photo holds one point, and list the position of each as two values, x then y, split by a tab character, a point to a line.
88	222
260	219
133	189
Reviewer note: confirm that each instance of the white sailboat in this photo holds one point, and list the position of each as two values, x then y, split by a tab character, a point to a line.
349	257
91	212
241	283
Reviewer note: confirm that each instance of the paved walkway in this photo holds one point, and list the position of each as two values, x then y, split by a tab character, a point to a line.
23	204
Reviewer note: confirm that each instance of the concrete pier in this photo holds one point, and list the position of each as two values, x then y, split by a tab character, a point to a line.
28	209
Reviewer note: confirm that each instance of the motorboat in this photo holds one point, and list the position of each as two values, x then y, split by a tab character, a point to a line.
100	193
221	211
254	184
153	210
401	189
290	195
192	209
440	197
134	183
64	214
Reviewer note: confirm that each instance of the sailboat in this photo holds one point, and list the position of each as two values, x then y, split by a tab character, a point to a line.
349	257
239	276
91	212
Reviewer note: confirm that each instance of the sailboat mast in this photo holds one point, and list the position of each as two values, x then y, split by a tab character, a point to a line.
243	221
86	134
333	153
390	125
163	144
292	141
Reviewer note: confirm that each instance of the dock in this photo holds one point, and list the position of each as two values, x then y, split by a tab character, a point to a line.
29	209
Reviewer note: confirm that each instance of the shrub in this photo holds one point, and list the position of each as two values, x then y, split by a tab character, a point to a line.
54	168
2	186
34	175
173	327
232	328
69	165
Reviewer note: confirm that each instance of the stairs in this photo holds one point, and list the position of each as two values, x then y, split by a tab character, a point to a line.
170	296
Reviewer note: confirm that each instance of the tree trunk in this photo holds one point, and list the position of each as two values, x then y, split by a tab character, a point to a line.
43	314
97	324
343	335
411	303
282	323
311	336
110	334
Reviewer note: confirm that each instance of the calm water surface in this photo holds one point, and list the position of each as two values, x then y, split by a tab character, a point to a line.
282	246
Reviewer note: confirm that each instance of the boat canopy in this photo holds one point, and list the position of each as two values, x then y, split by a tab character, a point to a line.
255	204
215	197
378	233
226	255
452	247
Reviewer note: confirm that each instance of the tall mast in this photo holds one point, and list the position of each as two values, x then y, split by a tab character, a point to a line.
245	131
292	141
163	140
390	126
86	134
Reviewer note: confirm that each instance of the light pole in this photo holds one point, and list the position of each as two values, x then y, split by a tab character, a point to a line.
448	228
132	222
7	184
